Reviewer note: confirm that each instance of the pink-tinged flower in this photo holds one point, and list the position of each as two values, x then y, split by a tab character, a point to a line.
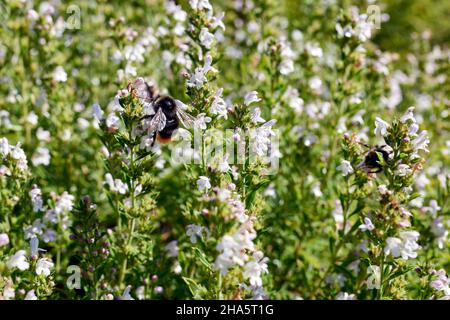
31	295
4	239
251	97
368	225
19	261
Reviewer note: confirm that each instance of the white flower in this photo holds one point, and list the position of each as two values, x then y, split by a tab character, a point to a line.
345	168
338	215
347	31
4	147
394	246
97	112
176	11
4	239
43	266
19	261
176	268
34	248
172	249
45	8
314	50
345	296
17	153
233	248
374	279
32	15
292	98
408	115
440	231
112	121
255	268
116	185
363	28
203	183
286	67
368	225
49	236
315	83
260	139
412	129
223	194
35	229
224	165
421	142
4	171
380	127
31	295
201	121
8	291
36	199
43	135
403	170
218	105
405	247
442	283
199	76
126	294
206	38
238	210
59	75
216	22
200	5
255	116
32	118
433	208
41	157
64	203
251	97
193	231
382	189
5	121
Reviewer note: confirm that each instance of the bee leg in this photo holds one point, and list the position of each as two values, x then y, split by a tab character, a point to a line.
154	140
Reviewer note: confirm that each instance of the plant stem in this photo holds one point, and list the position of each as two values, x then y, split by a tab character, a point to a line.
132	223
380	292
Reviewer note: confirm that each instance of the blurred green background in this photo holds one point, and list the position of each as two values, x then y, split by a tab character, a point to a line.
406	18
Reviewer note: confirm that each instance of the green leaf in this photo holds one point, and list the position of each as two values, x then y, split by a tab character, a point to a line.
202	257
194	287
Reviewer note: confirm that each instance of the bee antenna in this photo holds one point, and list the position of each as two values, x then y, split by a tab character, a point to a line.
364	144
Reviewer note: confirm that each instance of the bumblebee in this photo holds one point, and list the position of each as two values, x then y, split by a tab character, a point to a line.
163	113
371	162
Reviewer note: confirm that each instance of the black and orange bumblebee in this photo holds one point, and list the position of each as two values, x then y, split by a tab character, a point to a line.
164	114
371	162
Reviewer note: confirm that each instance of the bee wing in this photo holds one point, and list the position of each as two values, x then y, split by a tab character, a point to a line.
158	122
186	119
